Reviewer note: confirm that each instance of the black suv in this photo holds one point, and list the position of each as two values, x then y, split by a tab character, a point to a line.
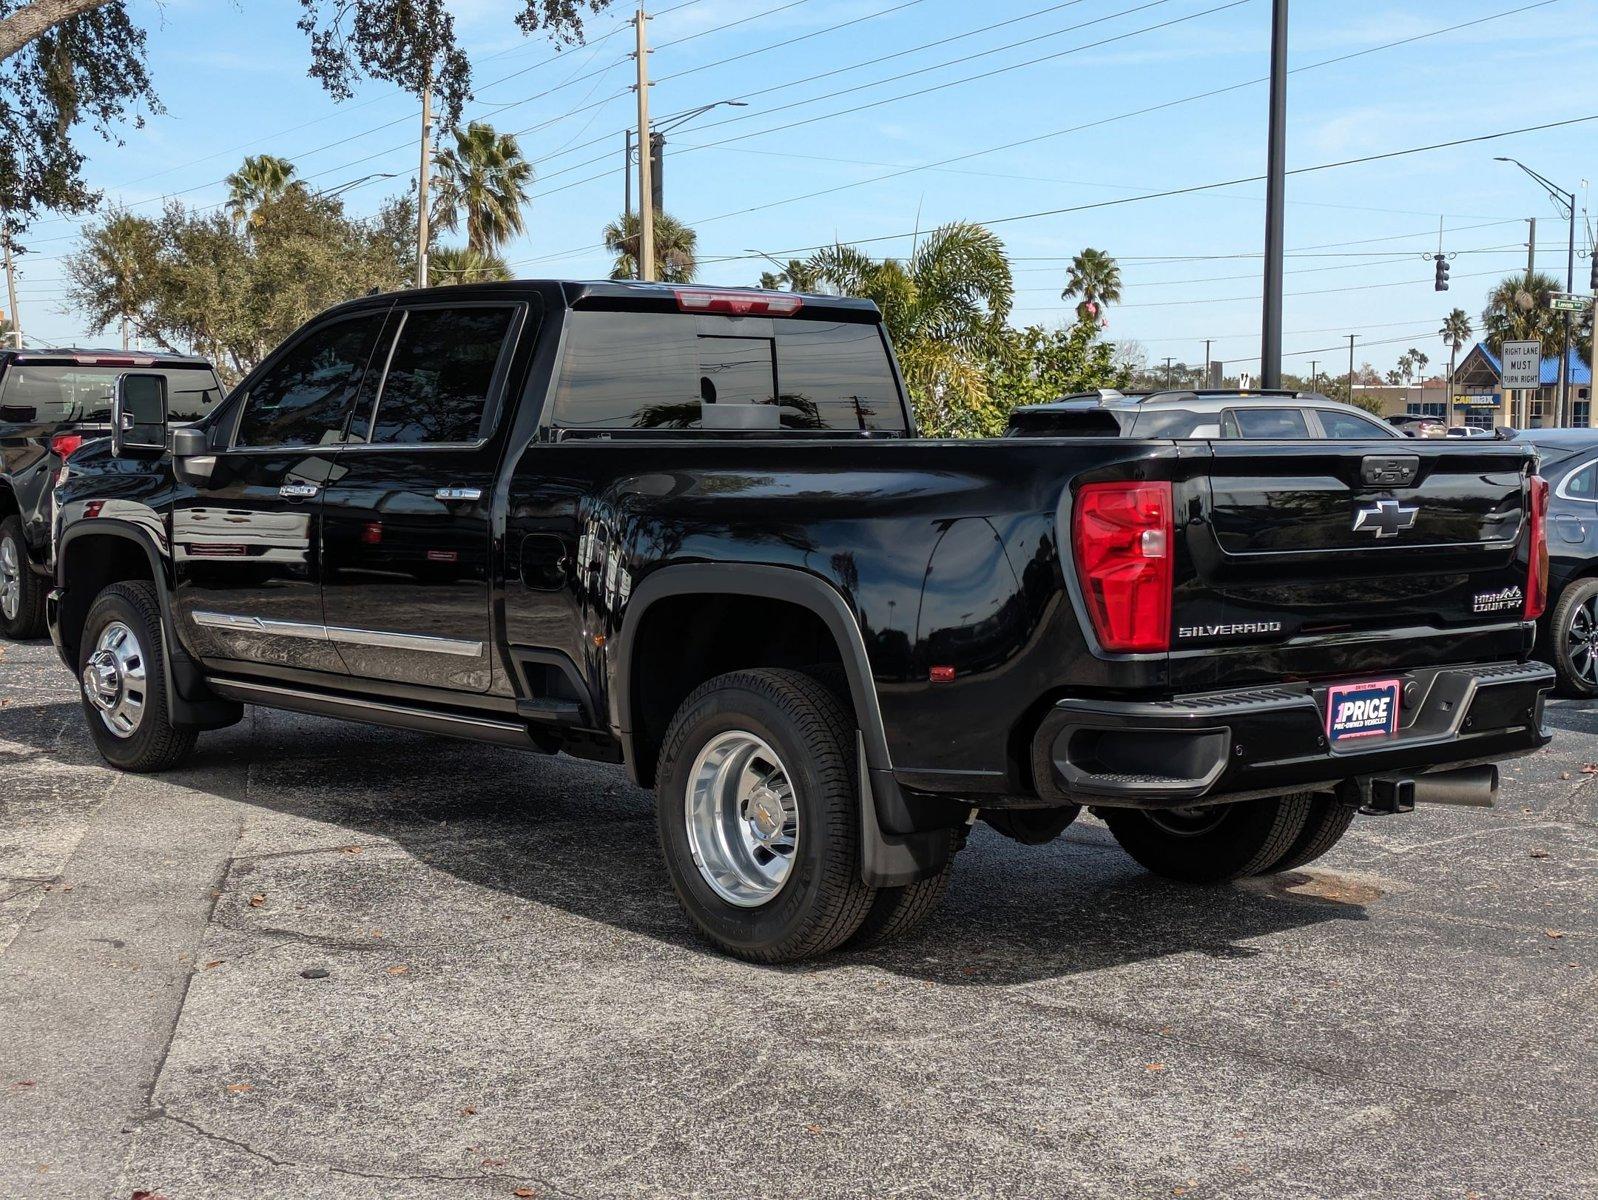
691	530
51	402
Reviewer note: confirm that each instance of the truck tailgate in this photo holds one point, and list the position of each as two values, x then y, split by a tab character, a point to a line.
1338	558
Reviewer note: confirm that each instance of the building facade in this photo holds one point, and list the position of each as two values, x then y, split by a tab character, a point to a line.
1481	399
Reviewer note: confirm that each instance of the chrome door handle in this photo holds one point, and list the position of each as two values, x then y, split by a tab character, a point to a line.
299	491
458	493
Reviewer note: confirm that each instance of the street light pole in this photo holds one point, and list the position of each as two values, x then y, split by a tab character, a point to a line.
1351	368
646	207
1568	199
1275	190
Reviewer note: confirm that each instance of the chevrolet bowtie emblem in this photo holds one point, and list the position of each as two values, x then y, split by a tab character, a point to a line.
1385	518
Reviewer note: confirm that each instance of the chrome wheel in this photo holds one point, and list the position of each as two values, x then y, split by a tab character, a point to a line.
10	579
1581	641
742	818
114	679
1187	822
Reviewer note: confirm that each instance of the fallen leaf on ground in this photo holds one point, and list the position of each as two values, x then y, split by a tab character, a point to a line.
213	963
495	1162
1564	774
141	1194
1589	768
813	1129
398	969
1554	933
258	899
524	1192
237	1088
468	1111
26	1083
1154	1066
349	849
1538	853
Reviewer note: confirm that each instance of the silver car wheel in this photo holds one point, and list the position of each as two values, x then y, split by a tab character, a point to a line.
1581	641
742	818
114	679
10	579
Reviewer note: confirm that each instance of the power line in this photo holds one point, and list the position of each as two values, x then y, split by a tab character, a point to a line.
785	43
1138	112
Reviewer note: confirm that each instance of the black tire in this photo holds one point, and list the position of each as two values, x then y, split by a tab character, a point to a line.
1032	826
898	912
822	901
1214	845
1324	827
154	744
26	620
1574	656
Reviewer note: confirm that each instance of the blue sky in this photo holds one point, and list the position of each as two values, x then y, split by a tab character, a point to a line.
232	78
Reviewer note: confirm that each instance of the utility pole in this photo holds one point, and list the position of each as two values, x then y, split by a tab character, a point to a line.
421	184
1275	192
1168	362
646	187
1531	246
1568	199
1209	378
11	290
1314	375
1351	368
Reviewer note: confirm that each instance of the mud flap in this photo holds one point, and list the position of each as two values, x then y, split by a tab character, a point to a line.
896	859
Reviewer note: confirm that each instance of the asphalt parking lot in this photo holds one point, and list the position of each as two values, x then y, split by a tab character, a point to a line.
326	960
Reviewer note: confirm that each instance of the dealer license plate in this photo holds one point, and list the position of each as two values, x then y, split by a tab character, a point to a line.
1361	710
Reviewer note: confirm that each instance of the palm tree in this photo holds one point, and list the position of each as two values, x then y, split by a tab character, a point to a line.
1455	332
1517	310
462	264
944	308
797	276
1095	277
483	181
676	258
262	178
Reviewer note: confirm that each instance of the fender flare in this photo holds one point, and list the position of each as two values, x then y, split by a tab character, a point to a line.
190	700
772	583
887	859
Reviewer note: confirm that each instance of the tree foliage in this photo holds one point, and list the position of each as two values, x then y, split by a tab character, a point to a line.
1095	279
483	181
86	69
263	177
462	264
676	248
1035	365
65	64
1517	310
194	280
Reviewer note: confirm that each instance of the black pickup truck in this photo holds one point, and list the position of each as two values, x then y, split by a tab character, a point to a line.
692	531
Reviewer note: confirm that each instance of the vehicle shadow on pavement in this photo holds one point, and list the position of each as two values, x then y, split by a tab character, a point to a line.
1576	716
579	837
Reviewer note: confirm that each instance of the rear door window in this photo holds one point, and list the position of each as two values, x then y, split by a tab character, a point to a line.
1582	484
1264	423
440	376
836	375
60	394
301	399
1347	426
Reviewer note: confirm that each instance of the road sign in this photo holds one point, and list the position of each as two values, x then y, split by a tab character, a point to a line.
1523	362
1569	303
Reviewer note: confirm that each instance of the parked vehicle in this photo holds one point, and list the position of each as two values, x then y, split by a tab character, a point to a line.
691	530
1198	414
1419	427
51	401
1468	431
1568	633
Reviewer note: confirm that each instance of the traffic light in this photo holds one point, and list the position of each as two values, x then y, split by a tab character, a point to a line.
1441	283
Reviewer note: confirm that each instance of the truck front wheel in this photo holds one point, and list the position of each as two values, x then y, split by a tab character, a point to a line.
122	680
1212	844
759	815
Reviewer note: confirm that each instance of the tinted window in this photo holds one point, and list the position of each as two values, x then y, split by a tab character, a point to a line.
437	384
300	400
837	376
1583	484
1264	423
1170	423
65	395
1347	425
663	371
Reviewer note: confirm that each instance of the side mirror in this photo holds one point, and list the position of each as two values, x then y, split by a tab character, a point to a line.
138	414
192	459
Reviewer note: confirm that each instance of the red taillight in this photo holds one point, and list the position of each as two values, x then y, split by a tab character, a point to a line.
738	304
1122	534
1537	552
63	444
